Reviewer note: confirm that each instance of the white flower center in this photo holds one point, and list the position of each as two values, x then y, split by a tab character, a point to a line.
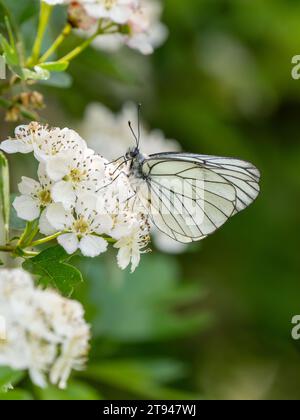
81	226
109	4
45	197
76	175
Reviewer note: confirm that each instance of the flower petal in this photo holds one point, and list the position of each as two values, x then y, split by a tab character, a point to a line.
86	204
44	225
62	192
58	217
92	246
26	207
42	175
102	224
16	146
69	242
57	167
123	257
28	186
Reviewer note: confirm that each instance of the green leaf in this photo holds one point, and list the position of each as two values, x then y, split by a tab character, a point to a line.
75	391
59	80
9	376
10	53
4	199
8	15
53	268
55	66
24	11
10	49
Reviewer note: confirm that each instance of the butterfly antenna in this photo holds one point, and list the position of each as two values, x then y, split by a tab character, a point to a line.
139	123
133	133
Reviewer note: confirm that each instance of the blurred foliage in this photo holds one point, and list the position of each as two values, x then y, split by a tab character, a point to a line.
220	85
141	306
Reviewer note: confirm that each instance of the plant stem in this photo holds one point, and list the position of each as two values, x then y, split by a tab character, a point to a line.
13	250
29	234
78	50
45	240
109	240
30	254
7	248
45	13
59	40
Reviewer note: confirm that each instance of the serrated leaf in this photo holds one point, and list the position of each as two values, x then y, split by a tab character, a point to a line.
57	66
4	198
53	268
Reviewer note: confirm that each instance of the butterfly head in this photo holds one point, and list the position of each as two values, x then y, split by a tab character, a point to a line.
132	153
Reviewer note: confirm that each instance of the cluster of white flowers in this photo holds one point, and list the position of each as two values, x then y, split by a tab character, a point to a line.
44	333
135	23
115	138
80	197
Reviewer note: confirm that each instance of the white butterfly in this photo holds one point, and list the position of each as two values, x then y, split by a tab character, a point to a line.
189	196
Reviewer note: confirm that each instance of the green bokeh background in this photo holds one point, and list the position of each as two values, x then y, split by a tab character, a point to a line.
214	322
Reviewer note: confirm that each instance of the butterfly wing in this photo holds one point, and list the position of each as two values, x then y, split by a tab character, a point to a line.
190	196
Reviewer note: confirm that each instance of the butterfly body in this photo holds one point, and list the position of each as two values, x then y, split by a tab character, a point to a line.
136	159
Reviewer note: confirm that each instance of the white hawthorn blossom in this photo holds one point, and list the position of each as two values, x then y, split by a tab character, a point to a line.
26	137
76	175
36	196
118	11
83	226
57	148
82	199
135	23
45	333
131	246
146	32
48	144
143	30
130	230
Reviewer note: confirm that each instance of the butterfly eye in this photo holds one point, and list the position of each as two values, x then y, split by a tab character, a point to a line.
132	153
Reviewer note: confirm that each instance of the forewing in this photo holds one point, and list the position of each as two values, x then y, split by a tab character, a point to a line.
191	196
242	175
